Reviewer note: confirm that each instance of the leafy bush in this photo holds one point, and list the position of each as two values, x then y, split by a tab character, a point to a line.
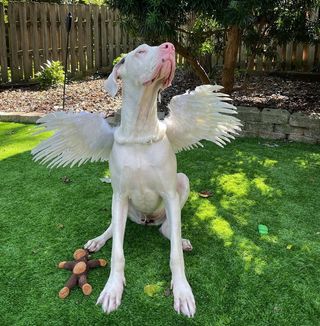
51	74
117	59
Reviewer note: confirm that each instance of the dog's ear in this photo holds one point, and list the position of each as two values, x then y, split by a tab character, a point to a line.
110	85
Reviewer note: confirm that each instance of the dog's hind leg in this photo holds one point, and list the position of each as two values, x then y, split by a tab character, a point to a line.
97	243
183	189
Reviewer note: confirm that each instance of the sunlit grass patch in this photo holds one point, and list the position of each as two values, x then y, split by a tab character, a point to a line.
17	138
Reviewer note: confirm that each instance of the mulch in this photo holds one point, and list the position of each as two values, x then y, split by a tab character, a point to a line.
262	91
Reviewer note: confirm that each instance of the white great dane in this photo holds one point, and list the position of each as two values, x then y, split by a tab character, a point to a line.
141	153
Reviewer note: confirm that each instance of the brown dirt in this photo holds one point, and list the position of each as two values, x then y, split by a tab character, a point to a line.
262	91
80	95
280	93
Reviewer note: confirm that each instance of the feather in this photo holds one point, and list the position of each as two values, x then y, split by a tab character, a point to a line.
204	113
78	138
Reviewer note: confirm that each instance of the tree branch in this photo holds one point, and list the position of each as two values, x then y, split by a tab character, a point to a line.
200	72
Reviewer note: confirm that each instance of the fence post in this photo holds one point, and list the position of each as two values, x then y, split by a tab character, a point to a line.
3	47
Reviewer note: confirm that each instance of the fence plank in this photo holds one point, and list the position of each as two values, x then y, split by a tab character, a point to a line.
13	43
299	56
3	47
73	40
110	36
132	41
35	35
124	39
294	56
117	34
288	56
310	58
44	32
54	34
104	46
82	63
316	59
63	9
27	69
96	35
89	40
283	52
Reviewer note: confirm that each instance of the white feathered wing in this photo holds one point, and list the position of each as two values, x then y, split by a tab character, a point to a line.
201	114
78	138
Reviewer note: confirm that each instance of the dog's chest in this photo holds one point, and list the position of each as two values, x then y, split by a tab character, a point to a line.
142	167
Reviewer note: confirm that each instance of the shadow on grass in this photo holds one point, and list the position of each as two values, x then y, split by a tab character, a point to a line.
238	276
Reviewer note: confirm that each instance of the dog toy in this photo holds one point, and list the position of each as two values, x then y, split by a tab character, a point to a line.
79	267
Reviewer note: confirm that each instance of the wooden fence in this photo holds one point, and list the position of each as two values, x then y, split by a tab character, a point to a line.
290	57
36	32
32	33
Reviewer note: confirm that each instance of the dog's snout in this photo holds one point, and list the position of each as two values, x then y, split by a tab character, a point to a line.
167	46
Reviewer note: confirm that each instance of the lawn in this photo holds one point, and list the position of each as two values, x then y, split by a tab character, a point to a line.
238	276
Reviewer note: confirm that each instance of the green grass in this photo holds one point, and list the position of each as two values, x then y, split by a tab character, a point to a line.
238	277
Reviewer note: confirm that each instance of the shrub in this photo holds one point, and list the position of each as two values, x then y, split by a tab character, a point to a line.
51	74
117	59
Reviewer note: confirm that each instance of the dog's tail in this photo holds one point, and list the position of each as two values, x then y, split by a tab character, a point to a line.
77	139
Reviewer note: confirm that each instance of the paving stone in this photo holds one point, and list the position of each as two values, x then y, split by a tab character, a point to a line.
20	117
302	139
300	119
258	126
312	133
248	134
272	135
275	116
287	129
9	117
246	113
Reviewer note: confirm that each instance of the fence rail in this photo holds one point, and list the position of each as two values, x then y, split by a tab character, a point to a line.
32	33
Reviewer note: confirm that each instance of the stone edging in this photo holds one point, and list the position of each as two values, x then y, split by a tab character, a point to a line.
20	117
266	123
279	124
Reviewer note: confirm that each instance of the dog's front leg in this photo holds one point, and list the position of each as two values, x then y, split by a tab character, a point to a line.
183	296
110	297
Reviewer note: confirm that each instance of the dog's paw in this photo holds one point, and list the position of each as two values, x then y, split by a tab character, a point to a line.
186	245
95	244
183	298
110	297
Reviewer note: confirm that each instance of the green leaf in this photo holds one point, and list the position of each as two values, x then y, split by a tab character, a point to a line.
153	289
263	229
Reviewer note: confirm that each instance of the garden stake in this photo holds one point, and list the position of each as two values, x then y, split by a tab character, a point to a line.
68	26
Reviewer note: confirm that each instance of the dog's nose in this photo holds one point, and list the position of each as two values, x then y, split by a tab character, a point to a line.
167	46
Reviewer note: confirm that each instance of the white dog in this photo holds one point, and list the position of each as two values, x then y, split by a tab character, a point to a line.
141	154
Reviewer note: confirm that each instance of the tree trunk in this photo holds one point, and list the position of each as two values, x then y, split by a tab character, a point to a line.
195	64
230	58
250	66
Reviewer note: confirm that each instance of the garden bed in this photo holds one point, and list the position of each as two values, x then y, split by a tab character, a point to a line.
262	91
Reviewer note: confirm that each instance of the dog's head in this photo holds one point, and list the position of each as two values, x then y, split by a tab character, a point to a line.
146	65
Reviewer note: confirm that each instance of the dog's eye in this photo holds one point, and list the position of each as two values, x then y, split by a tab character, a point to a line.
141	51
